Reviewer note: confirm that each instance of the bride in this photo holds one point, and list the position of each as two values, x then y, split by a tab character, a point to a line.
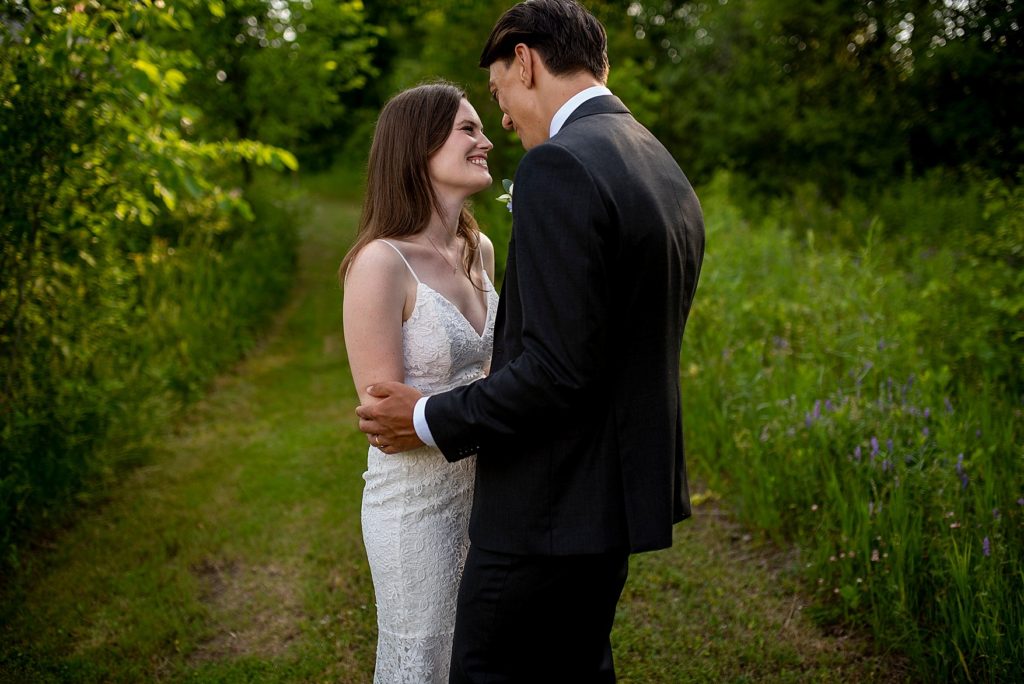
419	308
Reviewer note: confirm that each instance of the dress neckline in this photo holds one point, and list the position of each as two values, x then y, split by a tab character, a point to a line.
487	311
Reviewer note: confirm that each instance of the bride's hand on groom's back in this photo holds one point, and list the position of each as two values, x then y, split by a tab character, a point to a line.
387	421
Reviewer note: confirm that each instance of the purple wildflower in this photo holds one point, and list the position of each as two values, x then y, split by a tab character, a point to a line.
949	404
886	465
856	453
977	433
828	405
874	446
960	471
881	344
995	513
817	410
1020	501
808	420
888	444
925	431
986	547
927	413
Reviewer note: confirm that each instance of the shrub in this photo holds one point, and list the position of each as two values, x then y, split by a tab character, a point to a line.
132	266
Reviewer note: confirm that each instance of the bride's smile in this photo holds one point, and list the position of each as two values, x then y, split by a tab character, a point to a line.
466	146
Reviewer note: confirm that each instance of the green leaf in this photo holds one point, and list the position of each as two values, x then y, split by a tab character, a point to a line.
173	80
288	159
170	200
151	71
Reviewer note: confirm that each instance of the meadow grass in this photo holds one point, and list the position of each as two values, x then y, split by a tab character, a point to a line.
860	397
233	553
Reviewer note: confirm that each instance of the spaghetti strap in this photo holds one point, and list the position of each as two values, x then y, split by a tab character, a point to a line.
388	243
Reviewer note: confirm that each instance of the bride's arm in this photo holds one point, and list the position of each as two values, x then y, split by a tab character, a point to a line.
379	295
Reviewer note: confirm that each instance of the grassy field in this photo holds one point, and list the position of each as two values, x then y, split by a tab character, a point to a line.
235	554
853	386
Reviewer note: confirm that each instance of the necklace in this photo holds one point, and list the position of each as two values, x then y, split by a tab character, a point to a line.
452	266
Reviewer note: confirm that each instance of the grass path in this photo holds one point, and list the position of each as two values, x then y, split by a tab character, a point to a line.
235	555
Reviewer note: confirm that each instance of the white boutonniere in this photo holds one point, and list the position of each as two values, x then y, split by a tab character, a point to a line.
507	196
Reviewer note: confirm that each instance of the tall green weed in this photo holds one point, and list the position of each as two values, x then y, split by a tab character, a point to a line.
855	386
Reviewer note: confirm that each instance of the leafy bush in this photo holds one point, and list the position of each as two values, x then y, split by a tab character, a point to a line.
132	266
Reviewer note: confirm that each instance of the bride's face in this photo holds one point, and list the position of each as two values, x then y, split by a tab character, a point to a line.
460	165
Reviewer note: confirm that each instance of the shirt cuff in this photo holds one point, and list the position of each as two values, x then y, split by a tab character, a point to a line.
419	422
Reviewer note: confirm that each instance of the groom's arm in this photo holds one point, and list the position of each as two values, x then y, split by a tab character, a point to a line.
561	224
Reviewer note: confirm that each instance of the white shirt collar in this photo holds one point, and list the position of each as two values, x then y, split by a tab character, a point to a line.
566	110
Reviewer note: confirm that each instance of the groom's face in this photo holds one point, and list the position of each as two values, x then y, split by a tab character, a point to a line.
517	103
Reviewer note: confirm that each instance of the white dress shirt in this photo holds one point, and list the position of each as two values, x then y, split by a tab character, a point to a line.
570	106
419	416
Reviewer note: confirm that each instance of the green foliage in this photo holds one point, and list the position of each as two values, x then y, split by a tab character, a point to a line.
287	72
132	264
849	96
837	92
863	299
863	401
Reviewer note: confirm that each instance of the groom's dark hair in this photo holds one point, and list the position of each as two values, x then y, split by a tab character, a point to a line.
566	35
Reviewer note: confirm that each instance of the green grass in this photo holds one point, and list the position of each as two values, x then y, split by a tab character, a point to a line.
234	553
855	389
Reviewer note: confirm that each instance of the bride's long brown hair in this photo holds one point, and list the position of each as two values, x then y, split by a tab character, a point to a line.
399	198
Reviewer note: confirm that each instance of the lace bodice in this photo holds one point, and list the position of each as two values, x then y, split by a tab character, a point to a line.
416	505
440	346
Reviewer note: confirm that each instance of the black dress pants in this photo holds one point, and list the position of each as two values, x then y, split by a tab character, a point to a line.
536	619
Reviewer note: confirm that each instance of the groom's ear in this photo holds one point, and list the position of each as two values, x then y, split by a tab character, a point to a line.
525	62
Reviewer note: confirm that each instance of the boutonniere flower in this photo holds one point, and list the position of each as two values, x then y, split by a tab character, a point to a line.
507	196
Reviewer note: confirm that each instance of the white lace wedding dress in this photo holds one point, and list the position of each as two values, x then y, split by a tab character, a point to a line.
416	504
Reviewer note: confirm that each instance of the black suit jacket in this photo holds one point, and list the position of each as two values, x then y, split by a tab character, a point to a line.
578	428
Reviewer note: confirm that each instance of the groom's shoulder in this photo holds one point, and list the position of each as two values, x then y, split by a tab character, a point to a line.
550	157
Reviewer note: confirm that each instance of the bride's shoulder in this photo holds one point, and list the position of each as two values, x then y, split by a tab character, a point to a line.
487	252
378	261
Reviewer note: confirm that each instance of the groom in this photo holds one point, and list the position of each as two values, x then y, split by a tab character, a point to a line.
578	427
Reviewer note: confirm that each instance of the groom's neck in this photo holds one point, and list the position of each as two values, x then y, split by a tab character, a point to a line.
557	90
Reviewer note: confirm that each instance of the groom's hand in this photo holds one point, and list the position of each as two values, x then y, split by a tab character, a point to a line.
388	422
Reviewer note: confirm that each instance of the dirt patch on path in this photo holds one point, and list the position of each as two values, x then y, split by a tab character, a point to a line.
254	610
